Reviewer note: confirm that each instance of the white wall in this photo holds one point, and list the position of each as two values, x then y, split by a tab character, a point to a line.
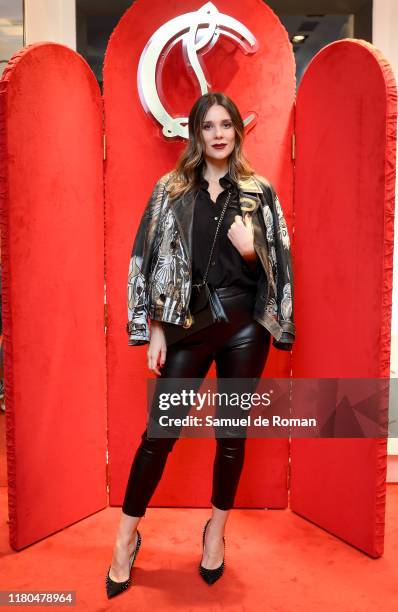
385	23
11	30
50	20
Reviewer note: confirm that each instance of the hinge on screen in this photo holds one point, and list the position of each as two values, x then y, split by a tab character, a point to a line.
107	472
104	143
293	146
288	477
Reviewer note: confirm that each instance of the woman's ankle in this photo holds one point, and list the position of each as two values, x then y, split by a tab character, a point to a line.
125	539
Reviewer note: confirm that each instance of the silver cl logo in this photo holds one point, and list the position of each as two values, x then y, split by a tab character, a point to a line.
199	32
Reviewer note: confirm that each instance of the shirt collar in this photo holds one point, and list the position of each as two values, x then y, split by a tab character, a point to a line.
225	181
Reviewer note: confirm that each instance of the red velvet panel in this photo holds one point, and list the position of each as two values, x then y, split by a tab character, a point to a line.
344	223
137	154
51	188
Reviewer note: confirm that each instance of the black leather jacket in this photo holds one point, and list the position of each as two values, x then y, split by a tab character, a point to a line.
159	278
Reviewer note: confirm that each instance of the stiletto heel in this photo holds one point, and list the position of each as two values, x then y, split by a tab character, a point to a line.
114	588
210	575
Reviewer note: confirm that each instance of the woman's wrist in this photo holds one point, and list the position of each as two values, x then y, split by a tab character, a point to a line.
251	258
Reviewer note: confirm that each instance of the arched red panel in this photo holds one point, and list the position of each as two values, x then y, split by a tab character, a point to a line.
344	230
51	186
137	155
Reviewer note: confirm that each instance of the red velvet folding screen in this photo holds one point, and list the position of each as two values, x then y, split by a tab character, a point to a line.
338	199
138	153
344	236
52	234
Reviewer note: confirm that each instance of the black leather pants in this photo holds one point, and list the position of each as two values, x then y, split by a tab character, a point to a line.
240	348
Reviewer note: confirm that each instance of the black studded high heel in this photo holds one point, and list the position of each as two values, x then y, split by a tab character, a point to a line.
114	588
210	575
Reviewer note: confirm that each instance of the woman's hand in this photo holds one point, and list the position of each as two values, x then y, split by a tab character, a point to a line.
157	347
241	236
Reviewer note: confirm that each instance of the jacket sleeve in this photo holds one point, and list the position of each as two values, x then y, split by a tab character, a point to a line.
284	275
138	274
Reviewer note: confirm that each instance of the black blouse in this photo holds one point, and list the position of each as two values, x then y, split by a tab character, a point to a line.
227	267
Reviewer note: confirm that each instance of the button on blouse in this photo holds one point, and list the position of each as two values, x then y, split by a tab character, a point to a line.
227	266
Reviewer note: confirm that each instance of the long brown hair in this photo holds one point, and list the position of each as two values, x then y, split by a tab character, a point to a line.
189	165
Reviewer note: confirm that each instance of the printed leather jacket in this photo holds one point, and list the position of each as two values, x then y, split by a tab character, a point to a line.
159	278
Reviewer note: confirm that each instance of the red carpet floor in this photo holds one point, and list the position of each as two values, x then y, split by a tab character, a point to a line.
275	560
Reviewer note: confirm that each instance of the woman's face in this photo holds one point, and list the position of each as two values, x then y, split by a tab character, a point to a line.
218	133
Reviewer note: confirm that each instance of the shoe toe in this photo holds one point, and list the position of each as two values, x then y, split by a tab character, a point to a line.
114	588
211	576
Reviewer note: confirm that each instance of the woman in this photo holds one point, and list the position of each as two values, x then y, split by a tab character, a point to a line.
251	272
